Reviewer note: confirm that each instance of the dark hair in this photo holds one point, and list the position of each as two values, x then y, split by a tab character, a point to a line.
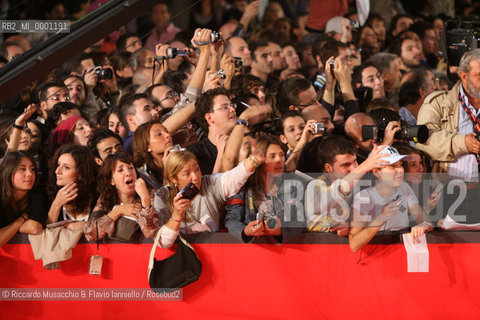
122	40
406	149
329	49
120	60
126	107
76	77
420	27
308	161
9	164
57	110
380	103
6	124
409	92
254	45
75	64
43	88
97	136
255	182
204	105
87	174
244	83
330	147
288	92
357	73
140	143
285	116
393	23
174	79
107	193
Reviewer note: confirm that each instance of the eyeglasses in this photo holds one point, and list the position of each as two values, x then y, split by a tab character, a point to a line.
315	101
226	107
170	95
57	98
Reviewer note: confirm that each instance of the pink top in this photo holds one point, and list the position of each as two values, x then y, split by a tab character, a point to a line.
167	35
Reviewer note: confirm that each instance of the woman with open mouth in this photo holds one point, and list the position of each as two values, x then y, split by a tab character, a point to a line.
124	201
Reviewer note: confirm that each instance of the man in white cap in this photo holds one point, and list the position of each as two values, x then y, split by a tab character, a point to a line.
339	28
387	205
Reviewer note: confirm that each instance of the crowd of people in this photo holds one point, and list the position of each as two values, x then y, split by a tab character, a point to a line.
299	120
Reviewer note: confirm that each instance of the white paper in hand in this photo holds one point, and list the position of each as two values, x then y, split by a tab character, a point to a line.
417	254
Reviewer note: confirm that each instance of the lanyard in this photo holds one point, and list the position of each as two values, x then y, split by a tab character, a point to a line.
475	120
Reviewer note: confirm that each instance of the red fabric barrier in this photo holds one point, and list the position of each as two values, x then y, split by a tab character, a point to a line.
259	282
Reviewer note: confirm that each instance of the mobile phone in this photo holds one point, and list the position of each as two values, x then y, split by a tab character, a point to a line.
189	191
438	190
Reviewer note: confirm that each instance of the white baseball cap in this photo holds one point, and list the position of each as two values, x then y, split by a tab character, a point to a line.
334	25
394	156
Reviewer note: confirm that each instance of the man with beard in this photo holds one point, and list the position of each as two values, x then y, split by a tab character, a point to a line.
453	144
407	49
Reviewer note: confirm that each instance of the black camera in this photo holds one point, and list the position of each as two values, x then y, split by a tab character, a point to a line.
458	37
417	133
215	36
189	191
332	64
268	213
103	73
238	62
174	52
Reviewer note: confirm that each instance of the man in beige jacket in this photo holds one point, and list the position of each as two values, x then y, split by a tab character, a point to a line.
452	143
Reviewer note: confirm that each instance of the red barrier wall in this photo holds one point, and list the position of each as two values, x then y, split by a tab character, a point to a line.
240	281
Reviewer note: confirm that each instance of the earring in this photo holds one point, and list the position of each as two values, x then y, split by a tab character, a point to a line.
149	150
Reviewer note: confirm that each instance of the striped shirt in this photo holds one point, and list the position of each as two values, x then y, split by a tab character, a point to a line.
466	166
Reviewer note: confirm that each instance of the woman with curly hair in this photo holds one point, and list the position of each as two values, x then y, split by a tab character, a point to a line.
71	184
122	199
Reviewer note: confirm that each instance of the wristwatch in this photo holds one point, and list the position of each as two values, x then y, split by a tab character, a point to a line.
254	162
242	122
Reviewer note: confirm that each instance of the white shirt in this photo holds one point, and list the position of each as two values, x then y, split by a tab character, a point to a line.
466	166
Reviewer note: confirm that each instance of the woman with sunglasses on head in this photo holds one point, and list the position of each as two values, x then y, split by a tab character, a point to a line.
121	195
193	202
22	209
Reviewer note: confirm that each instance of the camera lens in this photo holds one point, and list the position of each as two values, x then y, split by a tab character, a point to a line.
104	73
271	223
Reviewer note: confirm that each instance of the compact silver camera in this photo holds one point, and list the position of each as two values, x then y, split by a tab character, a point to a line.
219	73
318	127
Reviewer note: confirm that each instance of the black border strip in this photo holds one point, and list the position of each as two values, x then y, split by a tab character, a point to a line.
435	237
